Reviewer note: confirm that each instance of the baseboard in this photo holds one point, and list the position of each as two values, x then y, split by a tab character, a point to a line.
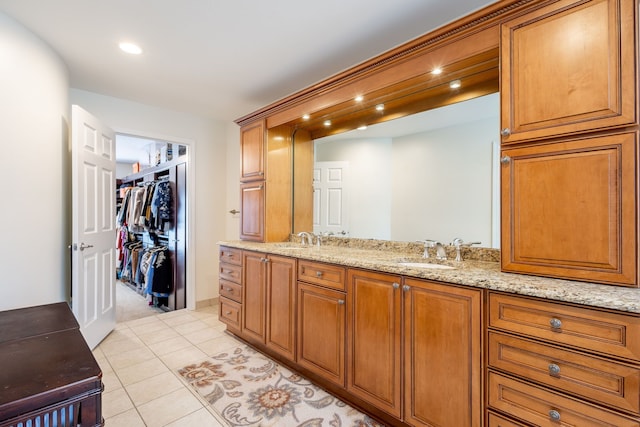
207	303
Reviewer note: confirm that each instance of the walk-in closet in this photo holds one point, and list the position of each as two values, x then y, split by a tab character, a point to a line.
151	196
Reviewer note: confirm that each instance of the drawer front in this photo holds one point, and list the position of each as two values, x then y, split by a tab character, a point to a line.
231	273
230	313
231	290
330	276
498	421
546	409
230	255
606	333
590	377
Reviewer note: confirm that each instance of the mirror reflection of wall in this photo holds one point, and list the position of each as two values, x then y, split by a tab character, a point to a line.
431	175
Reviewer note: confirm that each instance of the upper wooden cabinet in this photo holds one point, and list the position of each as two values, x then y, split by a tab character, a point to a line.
569	209
568	67
252	138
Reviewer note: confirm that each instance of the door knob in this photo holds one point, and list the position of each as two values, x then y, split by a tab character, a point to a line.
83	246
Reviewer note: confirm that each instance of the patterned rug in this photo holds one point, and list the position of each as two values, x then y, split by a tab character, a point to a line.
246	389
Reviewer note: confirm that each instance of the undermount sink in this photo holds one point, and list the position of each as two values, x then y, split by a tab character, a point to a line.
426	265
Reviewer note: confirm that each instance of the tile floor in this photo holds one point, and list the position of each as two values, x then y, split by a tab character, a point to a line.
139	359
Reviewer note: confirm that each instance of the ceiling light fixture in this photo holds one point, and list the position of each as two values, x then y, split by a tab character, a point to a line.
363	127
131	48
359	98
327	123
436	71
305	117
380	107
455	84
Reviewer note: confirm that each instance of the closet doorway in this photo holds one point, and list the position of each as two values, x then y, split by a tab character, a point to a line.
151	196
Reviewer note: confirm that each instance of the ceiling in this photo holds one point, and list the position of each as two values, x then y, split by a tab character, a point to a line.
223	59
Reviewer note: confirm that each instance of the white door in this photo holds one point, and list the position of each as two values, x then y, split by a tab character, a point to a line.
329	198
93	256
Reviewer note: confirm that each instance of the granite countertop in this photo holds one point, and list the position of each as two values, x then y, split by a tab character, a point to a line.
471	272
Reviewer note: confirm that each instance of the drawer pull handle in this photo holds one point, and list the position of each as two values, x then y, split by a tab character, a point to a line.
340	302
555	323
554	369
318	274
554	415
229	290
228	313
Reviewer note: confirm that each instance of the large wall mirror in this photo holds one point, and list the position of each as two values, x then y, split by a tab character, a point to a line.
426	170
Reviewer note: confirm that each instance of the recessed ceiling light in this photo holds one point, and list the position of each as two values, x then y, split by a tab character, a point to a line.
278	138
327	123
436	71
359	98
380	107
455	84
131	48
363	127
305	117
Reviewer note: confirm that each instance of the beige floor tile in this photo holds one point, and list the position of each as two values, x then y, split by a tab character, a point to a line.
200	418
203	335
141	321
147	390
119	334
181	358
159	335
170	345
187	328
120	345
218	345
169	408
110	381
178	320
129	358
149	327
141	371
115	402
130	418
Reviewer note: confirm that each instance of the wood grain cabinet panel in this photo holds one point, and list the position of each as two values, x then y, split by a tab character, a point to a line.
252	137
609	334
254	294
230	255
252	211
231	290
596	379
281	306
374	340
547	409
322	331
569	209
569	67
498	421
327	275
230	314
442	355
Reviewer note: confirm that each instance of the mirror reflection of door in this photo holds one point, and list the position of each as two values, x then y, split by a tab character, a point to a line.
329	198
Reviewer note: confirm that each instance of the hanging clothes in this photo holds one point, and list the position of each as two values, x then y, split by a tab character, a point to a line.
161	205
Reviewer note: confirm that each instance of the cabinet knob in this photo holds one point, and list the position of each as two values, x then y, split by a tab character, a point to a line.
264	259
554	415
505	132
406	288
340	302
318	274
554	369
505	160
555	323
396	285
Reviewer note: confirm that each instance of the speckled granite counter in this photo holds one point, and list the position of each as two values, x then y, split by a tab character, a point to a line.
480	274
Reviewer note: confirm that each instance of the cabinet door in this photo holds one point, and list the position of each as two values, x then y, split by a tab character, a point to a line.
252	151
321	331
568	67
568	209
252	201
254	266
443	355
374	321
281	305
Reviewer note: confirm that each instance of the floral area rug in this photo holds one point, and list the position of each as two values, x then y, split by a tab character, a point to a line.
246	388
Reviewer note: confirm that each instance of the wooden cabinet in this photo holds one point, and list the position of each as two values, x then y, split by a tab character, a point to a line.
569	209
374	339
265	216
442	354
268	296
568	67
551	363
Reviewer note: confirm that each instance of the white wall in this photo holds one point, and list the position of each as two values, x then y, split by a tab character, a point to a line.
233	181
207	141
34	117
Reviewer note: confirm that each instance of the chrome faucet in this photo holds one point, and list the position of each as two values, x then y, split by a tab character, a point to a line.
441	254
305	238
459	243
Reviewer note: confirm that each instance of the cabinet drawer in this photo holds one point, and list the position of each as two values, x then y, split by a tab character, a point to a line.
230	313
230	272
330	276
606	333
546	409
231	290
230	255
498	421
586	376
